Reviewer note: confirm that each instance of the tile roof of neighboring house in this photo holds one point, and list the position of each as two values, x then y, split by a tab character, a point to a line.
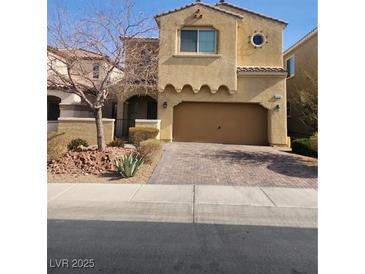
306	37
202	4
79	53
261	69
143	39
252	12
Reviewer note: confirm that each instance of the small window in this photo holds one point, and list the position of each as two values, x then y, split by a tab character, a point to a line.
288	109
258	39
96	70
199	40
290	66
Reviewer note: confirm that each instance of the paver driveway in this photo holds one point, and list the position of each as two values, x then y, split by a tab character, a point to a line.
218	164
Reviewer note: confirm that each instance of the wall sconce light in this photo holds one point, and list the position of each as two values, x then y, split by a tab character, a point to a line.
277	107
164	105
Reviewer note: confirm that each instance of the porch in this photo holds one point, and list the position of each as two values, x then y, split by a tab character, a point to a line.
142	108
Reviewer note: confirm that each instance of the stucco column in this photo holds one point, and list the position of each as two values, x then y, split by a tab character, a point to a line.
166	117
277	126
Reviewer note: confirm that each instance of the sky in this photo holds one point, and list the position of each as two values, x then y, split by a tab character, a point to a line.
301	15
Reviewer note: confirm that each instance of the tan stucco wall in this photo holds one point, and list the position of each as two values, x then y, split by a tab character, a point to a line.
66	98
306	62
270	54
250	90
149	123
180	69
183	78
84	67
71	105
85	128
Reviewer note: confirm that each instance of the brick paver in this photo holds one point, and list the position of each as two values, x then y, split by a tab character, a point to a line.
218	164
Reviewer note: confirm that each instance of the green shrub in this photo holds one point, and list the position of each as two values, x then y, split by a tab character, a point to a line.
148	148
116	143
314	141
139	134
75	143
128	164
56	145
305	146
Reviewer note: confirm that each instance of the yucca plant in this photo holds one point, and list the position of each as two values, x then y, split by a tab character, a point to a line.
128	164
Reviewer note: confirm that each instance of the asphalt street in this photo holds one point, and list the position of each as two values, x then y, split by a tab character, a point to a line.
147	247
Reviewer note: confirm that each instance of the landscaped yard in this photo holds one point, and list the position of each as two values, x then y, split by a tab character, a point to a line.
108	176
184	163
74	161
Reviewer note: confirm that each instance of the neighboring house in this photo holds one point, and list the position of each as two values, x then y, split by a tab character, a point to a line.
220	76
301	61
61	103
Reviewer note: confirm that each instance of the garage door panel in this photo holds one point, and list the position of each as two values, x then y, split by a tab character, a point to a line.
230	123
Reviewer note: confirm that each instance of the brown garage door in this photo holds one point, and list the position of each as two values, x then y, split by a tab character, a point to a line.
228	123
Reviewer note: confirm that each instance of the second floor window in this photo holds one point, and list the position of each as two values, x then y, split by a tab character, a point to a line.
96	71
198	40
290	66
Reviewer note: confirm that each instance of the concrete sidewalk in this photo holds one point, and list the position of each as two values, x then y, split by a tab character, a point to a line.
271	206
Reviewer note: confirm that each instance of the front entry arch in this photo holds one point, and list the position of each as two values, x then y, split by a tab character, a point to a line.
135	107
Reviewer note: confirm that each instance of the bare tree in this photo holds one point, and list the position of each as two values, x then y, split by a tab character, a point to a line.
304	96
77	43
141	66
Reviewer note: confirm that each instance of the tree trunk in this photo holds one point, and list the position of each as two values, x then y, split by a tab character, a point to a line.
99	129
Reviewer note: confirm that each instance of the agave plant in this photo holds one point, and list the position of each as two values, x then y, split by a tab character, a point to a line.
128	164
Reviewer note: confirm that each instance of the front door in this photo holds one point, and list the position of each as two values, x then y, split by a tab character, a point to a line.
151	110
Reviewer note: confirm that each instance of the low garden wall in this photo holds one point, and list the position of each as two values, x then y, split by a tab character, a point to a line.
52	126
85	128
155	123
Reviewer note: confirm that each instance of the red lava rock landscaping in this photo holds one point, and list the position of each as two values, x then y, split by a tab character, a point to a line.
86	161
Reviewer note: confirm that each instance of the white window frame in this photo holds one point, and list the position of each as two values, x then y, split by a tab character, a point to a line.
263	39
197	41
286	66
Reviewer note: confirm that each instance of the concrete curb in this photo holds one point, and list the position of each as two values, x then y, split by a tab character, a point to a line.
184	204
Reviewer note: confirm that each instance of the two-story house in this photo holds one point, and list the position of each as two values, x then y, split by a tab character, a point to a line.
301	62
63	104
220	76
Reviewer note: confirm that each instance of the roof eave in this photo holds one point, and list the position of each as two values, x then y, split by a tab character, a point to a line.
197	4
302	40
255	13
256	73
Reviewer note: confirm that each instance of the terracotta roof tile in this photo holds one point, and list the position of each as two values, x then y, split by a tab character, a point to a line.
261	69
202	4
78	53
143	39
